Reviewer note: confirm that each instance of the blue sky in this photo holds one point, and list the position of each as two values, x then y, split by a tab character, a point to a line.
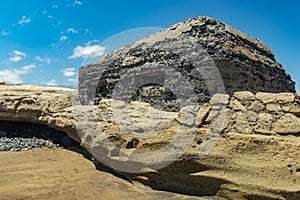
45	42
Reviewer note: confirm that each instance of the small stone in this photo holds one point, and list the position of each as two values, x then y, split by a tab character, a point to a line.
273	107
244	95
222	99
264	123
287	124
242	124
237	106
256	106
275	97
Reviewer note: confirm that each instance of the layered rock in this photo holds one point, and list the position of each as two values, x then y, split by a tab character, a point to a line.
256	154
39	105
244	63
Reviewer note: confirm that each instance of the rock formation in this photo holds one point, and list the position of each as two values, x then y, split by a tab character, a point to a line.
244	63
33	104
239	145
255	157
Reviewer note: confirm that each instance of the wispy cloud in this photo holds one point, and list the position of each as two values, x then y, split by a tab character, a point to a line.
76	2
55	6
68	72
51	82
27	68
63	38
14	75
88	51
5	32
16	56
43	60
24	20
72	30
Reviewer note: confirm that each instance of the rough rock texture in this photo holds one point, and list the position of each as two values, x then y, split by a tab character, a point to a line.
245	63
33	104
255	157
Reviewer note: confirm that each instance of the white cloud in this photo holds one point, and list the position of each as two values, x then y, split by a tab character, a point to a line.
68	72
16	56
24	20
52	82
14	75
27	68
88	51
76	2
72	30
55	6
63	38
10	76
43	60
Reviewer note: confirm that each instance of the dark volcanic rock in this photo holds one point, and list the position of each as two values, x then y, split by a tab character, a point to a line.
244	63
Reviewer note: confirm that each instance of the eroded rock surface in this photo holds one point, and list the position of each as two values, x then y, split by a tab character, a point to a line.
33	104
244	63
256	155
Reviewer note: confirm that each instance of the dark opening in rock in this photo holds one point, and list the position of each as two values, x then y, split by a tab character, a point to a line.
15	136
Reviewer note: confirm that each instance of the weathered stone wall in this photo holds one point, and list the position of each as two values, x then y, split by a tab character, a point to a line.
255	157
264	113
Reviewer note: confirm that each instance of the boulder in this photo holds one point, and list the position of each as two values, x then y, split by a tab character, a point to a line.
210	55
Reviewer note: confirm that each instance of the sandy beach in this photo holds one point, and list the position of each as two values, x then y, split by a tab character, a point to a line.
64	174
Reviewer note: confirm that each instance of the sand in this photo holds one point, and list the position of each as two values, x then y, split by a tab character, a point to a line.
64	174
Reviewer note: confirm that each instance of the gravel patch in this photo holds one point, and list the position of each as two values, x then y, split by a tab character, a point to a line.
25	136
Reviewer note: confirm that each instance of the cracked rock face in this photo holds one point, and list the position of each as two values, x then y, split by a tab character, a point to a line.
244	63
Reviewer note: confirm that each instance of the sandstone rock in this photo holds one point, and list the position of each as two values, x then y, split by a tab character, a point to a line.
33	104
252	153
277	98
256	106
243	96
287	124
219	99
237	106
202	114
273	107
264	123
292	108
241	123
